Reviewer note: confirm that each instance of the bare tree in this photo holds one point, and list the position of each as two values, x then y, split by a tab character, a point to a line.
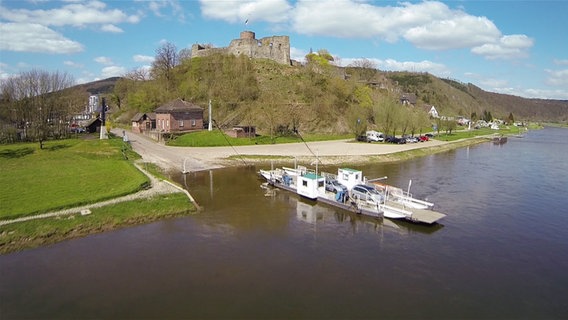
36	103
367	68
166	60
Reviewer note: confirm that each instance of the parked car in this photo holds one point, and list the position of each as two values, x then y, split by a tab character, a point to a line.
366	193
375	136
423	138
411	139
362	138
334	186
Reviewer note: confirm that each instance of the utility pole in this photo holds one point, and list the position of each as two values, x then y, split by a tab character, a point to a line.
104	134
210	117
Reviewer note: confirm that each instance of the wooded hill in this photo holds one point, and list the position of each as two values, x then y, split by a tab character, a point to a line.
316	97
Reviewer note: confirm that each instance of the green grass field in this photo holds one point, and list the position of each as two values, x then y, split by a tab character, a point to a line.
216	138
66	173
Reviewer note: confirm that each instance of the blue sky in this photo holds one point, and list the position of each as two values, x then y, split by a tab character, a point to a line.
513	47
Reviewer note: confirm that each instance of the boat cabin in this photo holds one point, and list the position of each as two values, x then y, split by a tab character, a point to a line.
310	185
350	177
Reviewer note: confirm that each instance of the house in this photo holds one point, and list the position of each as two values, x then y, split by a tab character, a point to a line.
143	122
408	98
179	116
94	125
431	110
242	132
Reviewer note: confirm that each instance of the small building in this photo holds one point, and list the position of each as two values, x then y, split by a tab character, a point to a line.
242	132
179	116
432	112
94	125
142	122
408	99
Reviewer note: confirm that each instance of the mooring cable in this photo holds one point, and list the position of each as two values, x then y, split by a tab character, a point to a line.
307	146
232	147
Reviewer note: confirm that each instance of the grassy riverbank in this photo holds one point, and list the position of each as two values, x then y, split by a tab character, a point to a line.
219	139
39	232
72	173
66	173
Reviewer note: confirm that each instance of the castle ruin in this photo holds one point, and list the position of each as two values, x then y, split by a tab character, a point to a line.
275	48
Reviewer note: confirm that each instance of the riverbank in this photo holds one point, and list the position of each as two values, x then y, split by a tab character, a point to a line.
163	200
384	153
56	205
333	152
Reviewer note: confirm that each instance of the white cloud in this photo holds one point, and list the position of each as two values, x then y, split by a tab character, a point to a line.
104	60
112	71
461	31
413	66
176	9
72	64
298	54
507	47
236	11
428	25
142	58
32	37
558	78
111	28
561	62
75	14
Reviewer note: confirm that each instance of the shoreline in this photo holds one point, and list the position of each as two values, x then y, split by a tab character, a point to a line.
332	152
170	158
338	160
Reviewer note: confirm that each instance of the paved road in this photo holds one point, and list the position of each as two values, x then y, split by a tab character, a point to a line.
167	157
205	158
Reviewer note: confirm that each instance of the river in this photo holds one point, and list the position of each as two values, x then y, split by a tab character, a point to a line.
501	252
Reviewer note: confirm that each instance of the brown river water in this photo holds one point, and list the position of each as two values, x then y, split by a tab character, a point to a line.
502	251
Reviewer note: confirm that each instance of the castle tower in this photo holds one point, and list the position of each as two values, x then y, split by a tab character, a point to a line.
247	35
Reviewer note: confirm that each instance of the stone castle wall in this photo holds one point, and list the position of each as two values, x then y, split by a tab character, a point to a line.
275	48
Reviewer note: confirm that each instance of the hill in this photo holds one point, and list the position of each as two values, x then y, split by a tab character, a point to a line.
312	98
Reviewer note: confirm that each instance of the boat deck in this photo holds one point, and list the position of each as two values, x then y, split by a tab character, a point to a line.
419	215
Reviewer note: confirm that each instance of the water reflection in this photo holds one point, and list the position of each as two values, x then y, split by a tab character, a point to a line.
501	254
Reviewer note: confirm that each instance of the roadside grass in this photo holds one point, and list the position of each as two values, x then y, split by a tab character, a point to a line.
217	138
35	233
66	173
463	134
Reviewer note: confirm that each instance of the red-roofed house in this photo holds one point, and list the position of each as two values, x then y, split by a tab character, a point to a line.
179	116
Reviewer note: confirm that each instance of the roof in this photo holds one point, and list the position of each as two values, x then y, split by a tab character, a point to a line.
140	115
410	97
178	105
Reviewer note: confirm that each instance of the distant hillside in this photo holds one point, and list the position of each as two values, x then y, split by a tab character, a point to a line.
260	92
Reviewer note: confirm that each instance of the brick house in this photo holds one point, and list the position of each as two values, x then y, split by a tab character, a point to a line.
143	122
179	116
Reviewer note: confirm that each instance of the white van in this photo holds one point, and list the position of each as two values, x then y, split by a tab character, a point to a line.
374	136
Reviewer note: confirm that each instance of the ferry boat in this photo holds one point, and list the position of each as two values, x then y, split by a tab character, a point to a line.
360	195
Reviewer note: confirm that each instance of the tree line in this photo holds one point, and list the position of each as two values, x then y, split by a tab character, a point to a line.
317	97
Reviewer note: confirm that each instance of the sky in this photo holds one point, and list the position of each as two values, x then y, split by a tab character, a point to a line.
517	47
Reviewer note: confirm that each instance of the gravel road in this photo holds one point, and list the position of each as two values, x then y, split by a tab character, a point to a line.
205	158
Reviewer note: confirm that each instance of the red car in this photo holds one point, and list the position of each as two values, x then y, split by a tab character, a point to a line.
423	138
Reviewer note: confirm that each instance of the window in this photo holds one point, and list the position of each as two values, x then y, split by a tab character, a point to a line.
193	124
304	183
180	123
167	123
